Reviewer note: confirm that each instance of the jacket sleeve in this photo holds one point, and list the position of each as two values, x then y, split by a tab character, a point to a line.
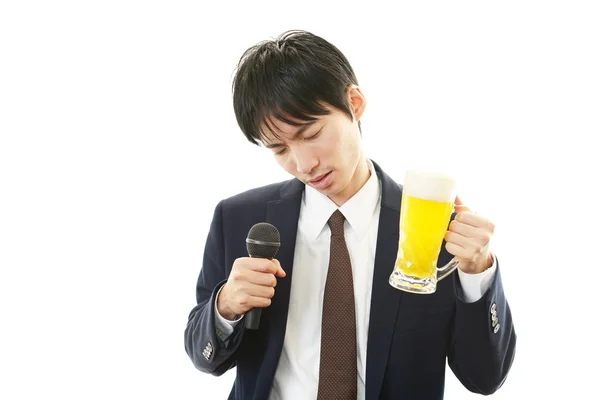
483	341
206	350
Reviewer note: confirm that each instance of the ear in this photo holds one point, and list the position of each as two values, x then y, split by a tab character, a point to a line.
357	102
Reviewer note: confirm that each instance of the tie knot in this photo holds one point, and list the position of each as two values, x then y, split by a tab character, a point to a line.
336	223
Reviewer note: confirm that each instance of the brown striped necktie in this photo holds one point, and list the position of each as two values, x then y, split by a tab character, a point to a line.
337	369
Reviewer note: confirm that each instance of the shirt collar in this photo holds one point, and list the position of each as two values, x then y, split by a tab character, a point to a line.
358	210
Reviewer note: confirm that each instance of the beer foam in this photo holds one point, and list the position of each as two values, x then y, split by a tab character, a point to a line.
429	185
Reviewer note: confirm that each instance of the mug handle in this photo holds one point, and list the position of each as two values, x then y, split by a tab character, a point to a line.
447	269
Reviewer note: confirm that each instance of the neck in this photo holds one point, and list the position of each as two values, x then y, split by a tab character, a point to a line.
361	175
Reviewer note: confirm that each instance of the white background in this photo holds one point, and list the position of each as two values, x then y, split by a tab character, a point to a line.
117	139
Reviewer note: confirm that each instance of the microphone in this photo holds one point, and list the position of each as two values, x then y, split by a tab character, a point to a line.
262	242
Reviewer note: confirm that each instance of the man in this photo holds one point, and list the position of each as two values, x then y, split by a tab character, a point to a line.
298	96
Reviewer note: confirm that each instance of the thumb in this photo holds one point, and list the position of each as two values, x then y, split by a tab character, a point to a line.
280	272
459	206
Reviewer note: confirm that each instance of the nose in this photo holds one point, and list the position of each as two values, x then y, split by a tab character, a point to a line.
306	161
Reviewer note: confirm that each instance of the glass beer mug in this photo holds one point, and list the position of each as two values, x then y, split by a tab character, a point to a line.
427	204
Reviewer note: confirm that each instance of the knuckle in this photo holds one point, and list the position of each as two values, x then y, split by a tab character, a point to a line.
236	275
273	266
256	264
240	262
244	300
265	265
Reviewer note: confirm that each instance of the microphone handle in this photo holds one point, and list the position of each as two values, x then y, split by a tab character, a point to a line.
253	318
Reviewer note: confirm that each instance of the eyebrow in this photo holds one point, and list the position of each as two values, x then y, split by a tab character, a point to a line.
298	133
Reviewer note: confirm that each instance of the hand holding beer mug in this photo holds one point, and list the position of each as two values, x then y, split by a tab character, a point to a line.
427	204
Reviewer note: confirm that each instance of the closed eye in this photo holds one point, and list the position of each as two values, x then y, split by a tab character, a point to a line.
315	135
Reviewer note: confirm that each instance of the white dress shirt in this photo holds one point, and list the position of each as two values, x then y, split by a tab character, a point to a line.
297	373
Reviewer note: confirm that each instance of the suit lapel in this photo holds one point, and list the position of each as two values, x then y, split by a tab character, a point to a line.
283	214
385	299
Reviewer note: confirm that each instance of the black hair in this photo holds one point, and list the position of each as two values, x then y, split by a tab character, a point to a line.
290	78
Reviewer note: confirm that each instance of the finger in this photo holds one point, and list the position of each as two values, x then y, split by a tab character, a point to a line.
457	250
458	239
259	278
468	230
461	208
261	265
249	301
458	201
471	246
280	272
257	290
476	220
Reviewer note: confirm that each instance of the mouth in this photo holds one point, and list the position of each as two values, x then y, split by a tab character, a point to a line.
318	178
320	181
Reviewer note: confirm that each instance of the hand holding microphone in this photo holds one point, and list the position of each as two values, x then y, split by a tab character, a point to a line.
252	281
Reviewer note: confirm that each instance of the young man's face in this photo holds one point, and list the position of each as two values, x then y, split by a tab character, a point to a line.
326	154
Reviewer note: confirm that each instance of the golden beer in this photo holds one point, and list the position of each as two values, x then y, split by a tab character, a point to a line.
426	206
423	226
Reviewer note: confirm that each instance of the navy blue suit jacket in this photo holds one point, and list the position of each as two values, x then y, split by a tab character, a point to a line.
410	336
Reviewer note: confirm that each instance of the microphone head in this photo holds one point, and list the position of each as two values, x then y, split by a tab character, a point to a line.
263	241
